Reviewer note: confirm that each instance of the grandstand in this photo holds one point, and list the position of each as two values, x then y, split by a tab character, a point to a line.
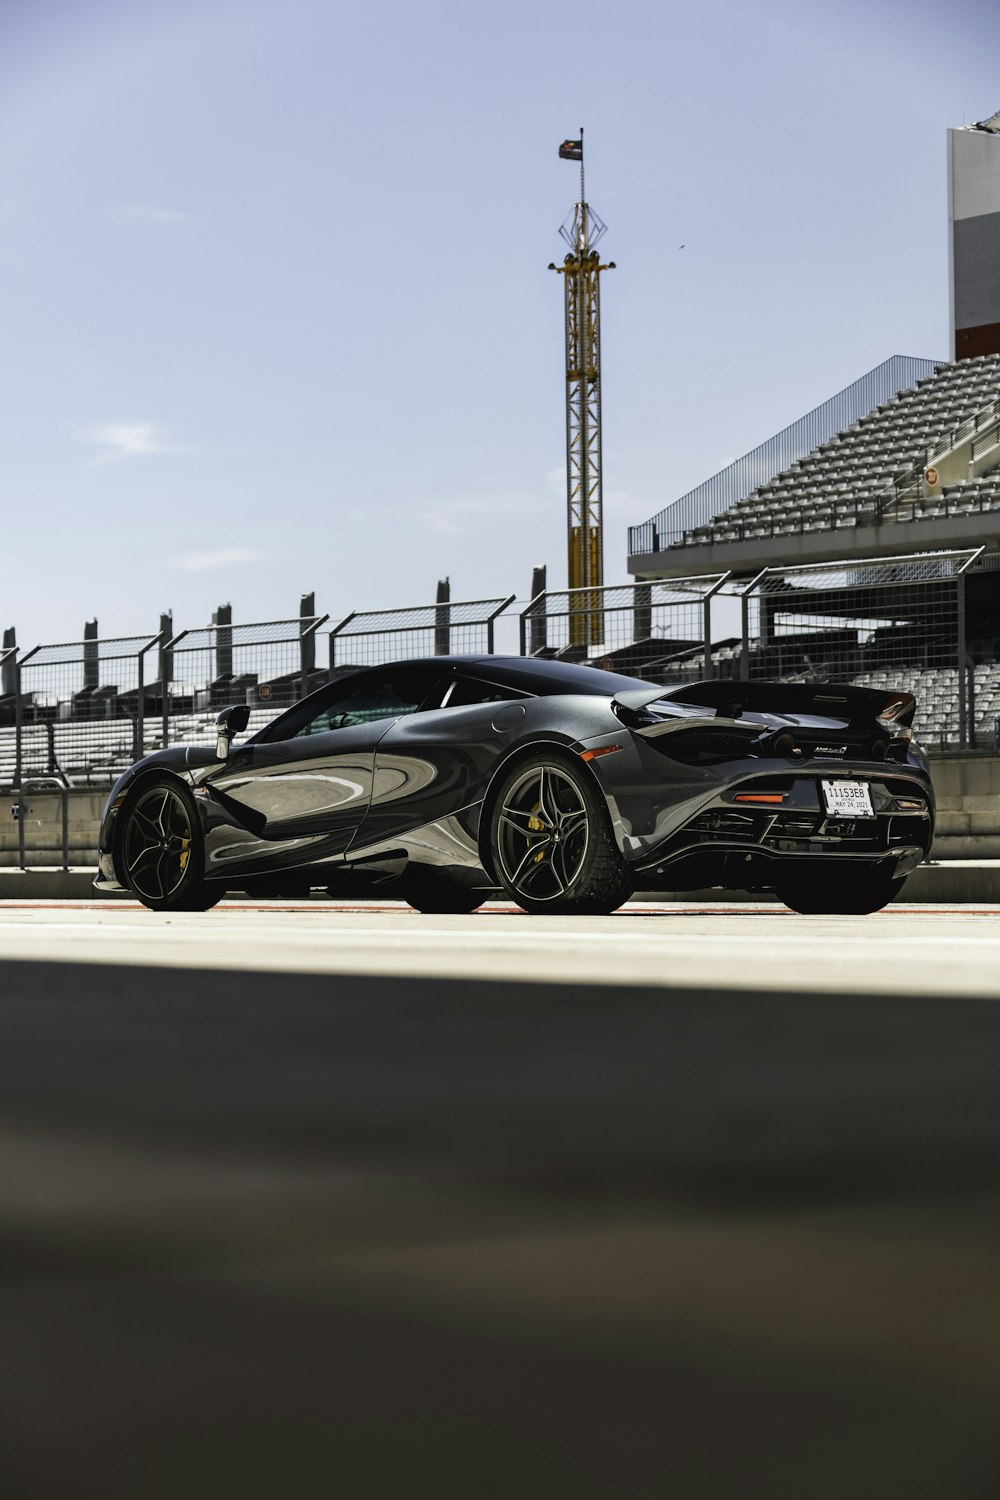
920	470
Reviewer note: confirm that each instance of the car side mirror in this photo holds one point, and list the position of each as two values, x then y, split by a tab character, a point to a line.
232	720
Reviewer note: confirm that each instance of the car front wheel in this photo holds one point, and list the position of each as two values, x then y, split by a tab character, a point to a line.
552	842
160	851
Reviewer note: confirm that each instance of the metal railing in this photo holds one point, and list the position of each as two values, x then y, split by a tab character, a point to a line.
370	637
862	620
79	709
267	665
73	716
642	625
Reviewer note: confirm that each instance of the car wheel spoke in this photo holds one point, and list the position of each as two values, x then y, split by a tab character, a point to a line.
146	824
529	858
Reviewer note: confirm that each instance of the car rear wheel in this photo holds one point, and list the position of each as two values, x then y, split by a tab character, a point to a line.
552	842
433	893
840	893
161	855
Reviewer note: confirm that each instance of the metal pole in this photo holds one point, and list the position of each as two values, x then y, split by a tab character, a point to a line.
19	764
642	612
65	827
307	640
707	637
140	708
442	619
962	703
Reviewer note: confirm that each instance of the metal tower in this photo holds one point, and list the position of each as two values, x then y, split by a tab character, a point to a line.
581	270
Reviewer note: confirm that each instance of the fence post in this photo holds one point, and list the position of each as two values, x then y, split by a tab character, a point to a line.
642	612
140	706
307	640
506	604
538	618
442	619
167	667
8	673
91	661
223	620
963	707
745	647
19	762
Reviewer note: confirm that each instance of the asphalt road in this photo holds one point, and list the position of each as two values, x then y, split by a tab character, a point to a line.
929	950
327	1226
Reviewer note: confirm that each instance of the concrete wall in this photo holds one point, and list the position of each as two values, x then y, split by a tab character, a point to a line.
43	827
968	795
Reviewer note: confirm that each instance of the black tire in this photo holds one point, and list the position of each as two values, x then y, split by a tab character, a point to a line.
160	851
436	894
551	840
840	893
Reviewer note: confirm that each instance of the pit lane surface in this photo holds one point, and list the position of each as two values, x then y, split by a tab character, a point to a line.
282	1219
920	949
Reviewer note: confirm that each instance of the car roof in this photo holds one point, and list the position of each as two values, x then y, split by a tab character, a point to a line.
534	674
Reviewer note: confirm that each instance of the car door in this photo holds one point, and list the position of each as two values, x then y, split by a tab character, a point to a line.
434	764
312	772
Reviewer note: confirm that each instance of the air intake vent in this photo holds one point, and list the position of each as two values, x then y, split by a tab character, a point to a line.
705	746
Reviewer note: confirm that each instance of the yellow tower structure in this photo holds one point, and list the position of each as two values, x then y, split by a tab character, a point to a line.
581	272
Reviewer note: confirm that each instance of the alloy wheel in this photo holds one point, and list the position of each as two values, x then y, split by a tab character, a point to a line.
157	844
543	833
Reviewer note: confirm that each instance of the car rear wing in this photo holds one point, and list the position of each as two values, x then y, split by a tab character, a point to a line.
855	706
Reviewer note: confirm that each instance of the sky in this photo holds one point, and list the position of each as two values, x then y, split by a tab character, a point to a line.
274	308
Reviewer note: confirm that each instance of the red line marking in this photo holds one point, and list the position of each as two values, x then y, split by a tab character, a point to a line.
665	908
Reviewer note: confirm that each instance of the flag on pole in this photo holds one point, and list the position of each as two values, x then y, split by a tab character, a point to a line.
571	150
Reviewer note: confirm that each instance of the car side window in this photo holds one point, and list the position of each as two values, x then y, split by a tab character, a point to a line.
371	698
466	692
358	699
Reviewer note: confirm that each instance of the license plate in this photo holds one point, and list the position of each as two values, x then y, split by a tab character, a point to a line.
848	799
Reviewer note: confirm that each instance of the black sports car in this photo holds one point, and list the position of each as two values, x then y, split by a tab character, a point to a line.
447	780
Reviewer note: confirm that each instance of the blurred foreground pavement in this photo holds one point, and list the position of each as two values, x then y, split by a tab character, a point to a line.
301	1236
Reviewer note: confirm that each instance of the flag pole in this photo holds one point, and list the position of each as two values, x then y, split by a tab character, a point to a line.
583	195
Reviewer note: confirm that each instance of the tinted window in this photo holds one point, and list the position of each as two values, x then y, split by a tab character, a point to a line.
360	699
547	678
465	692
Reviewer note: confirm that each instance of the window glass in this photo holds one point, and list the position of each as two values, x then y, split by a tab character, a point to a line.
360	699
466	692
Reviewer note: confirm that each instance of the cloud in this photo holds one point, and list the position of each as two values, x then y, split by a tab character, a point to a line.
146	213
121	440
202	562
439	522
454	515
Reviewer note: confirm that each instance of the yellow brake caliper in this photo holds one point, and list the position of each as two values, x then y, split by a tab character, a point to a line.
185	853
537	826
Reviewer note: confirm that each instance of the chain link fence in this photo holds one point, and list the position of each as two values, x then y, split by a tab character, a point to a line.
74	715
268	666
894	622
369	638
646	629
78	711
